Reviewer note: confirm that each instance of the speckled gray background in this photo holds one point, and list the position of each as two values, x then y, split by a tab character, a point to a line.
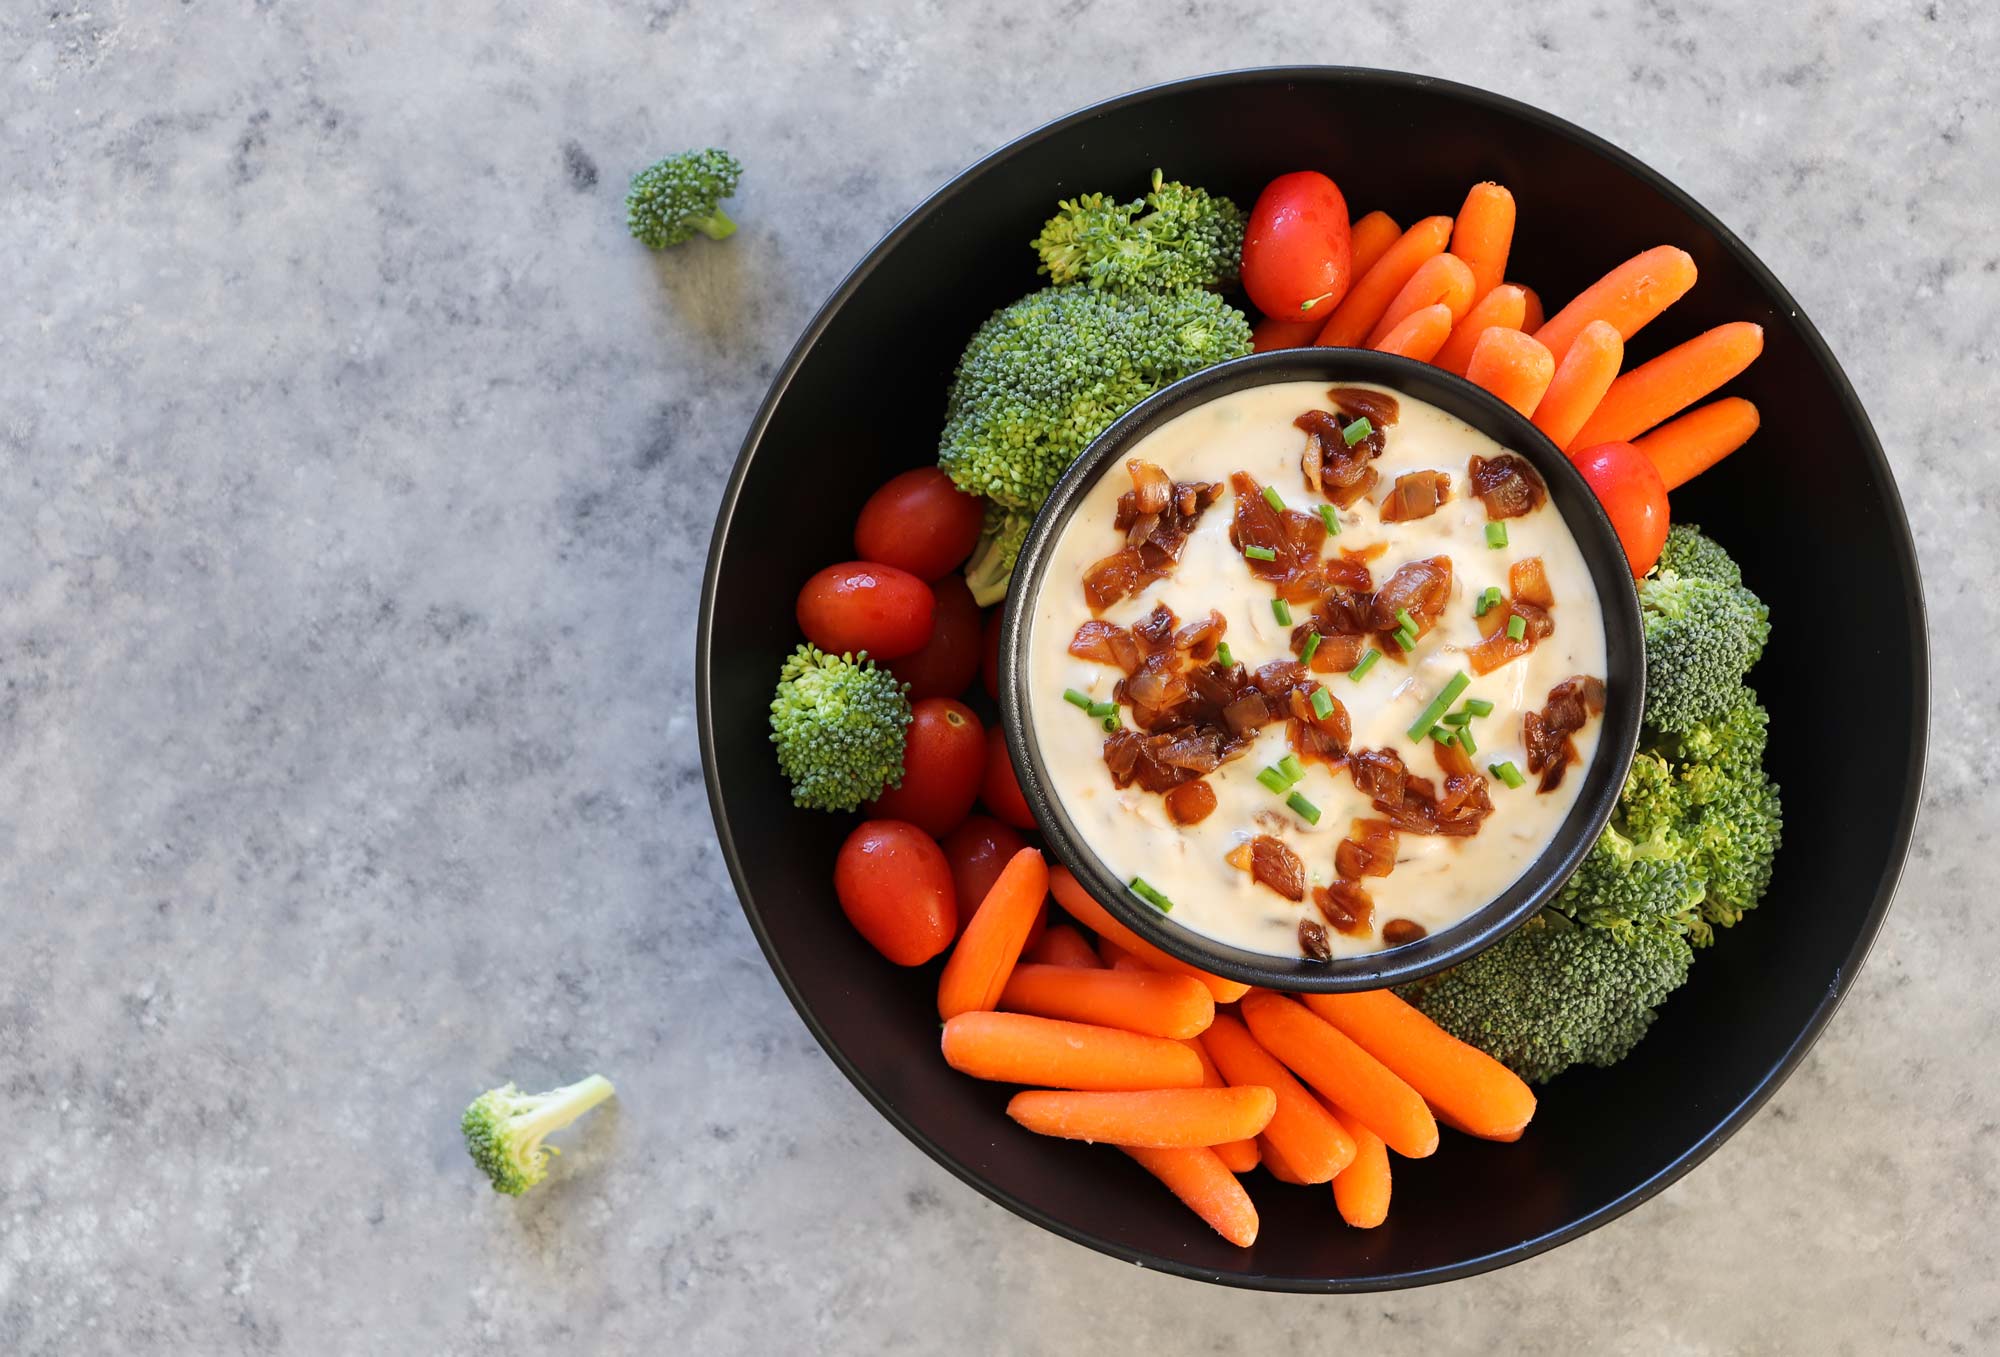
355	475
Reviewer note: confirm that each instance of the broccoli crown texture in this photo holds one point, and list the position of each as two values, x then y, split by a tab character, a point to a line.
1044	376
504	1129
1703	632
1176	236
839	723
672	199
1691	552
1734	820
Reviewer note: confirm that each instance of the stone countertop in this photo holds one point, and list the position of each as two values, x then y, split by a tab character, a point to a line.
356	472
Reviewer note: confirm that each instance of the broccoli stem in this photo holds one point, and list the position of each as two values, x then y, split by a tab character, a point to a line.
715	225
990	570
562	1106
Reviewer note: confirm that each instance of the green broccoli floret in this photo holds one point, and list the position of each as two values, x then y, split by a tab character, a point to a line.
504	1129
1177	236
1734	820
674	198
1626	883
992	564
839	724
1552	994
1702	634
1689	551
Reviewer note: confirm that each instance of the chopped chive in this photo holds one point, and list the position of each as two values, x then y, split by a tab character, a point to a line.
1496	535
1223	657
1111	723
1101	709
1259	554
1282	611
1357	431
1293	770
1405	621
1331	519
1488	600
1439	705
1478	706
1517	627
1506	772
1074	698
1151	896
1443	735
1303	808
1457	718
1322	702
1312	644
1406	638
1273	779
1363	665
1273	498
1465	740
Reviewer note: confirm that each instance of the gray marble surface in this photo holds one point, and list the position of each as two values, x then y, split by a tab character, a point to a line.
355	475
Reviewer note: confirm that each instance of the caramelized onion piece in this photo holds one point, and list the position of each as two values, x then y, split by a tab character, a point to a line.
1378	774
1345	905
1548	733
1191	802
1155	515
1402	932
1423	588
1507	485
1368	850
1416	494
1528	582
1278	867
1312	940
1333	468
1379	408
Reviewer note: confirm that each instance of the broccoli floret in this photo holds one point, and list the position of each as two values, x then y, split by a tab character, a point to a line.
839	724
1552	994
1734	820
1177	236
1701	636
992	564
1689	551
1627	883
674	198
504	1129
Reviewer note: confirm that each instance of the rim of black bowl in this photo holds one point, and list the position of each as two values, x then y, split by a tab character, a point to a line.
1915	646
1625	674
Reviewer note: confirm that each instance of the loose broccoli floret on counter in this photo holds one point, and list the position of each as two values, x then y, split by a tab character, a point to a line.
1702	634
1689	551
1176	236
839	723
673	199
504	1129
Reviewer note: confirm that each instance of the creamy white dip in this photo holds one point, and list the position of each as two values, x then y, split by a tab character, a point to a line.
1437	881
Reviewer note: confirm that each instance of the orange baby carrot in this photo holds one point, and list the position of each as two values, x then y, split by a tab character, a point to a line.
1199	1178
1684	448
1666	386
1466	1087
1532	321
1443	278
1060	945
1273	332
1361	1192
1158	1118
1582	377
1018	1048
1071	895
1113	957
1513	367
1311	1143
1275	1165
1482	233
1359	1084
1240	1155
1628	296
1506	307
1152	1002
977	969
1368	240
1372	291
1418	335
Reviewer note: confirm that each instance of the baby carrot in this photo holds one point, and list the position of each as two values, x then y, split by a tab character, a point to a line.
1465	1086
1018	1048
1628	296
1666	386
1513	367
1274	332
1060	945
1199	1178
1361	1192
1359	1084
1275	1165
1443	278
1418	335
1148	1001
1311	1143
1532	321
1684	448
1113	957
1582	377
979	964
1482	234
1240	1155
1506	307
1368	239
1071	895
1372	291
1157	1118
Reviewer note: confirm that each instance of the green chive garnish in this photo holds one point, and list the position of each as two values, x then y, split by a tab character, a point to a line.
1273	498
1282	611
1457	718
1517	627
1357	431
1487	601
1259	554
1442	735
1406	638
1112	723
1273	779
1478	706
1072	696
1331	519
1407	622
1303	808
1102	709
1465	741
1151	896
1439	706
1496	535
1293	770
1312	644
1506	772
1223	657
1365	663
1322	702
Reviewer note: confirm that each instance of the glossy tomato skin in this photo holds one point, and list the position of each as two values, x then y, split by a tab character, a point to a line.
999	791
949	661
865	605
895	888
944	763
1634	497
919	522
977	851
989	654
1297	252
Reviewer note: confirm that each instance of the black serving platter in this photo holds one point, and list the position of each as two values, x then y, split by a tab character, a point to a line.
1811	500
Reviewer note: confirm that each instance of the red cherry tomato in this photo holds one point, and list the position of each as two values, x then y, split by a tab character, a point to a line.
999	792
1273	332
949	661
989	655
861	605
944	760
895	888
1634	497
1296	248
977	850
919	522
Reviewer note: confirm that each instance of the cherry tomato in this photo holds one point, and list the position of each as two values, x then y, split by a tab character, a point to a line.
977	850
864	606
949	661
1634	497
1274	332
999	792
989	655
919	522
1296	249
944	760
895	888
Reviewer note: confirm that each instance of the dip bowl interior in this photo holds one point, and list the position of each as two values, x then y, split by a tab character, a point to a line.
1603	774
